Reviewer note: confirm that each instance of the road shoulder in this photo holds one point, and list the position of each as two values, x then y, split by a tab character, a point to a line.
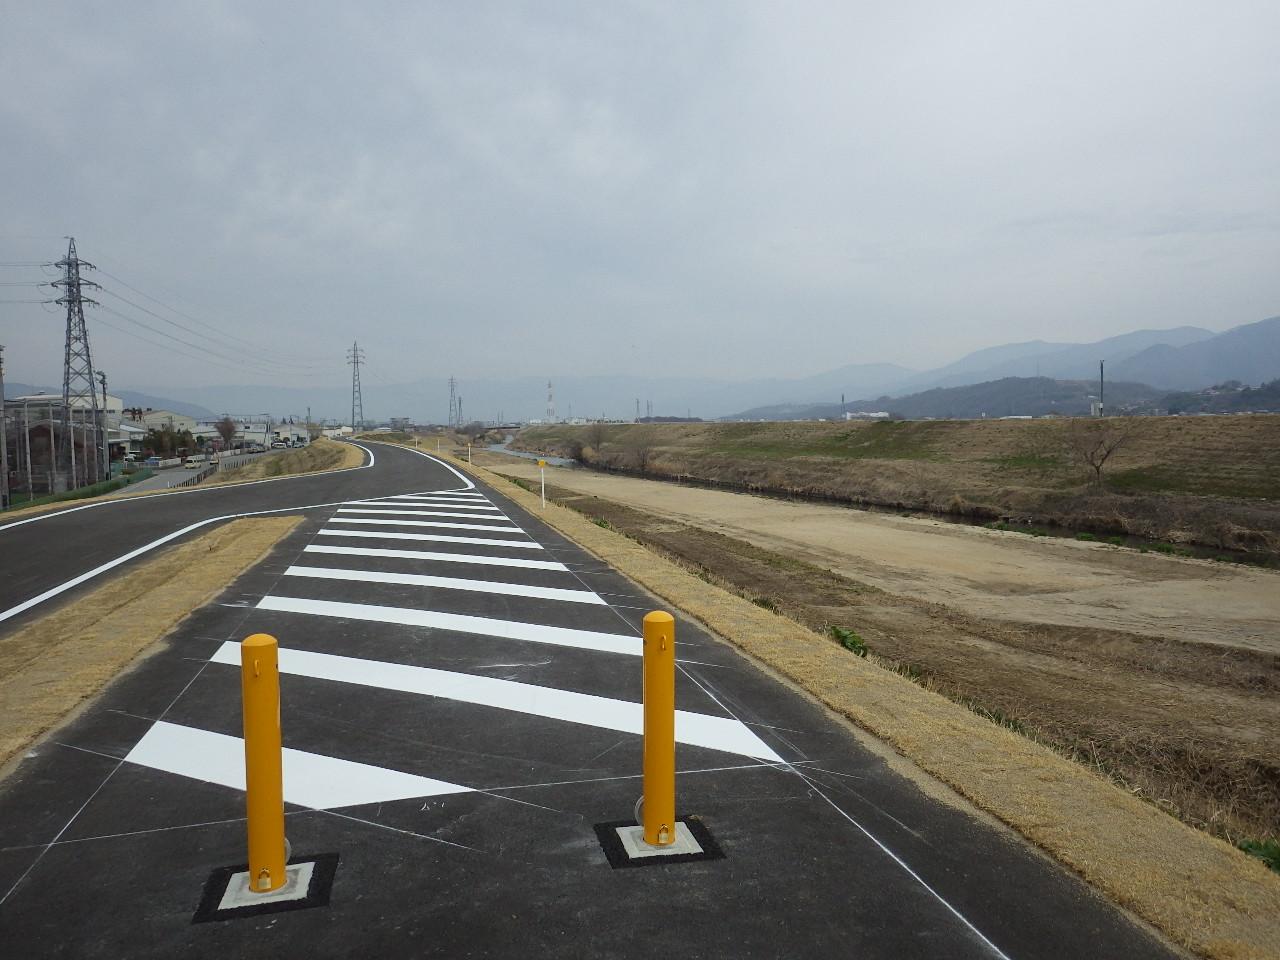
53	666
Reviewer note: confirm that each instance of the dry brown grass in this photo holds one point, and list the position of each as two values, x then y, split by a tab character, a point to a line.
53	665
1201	892
1208	480
316	457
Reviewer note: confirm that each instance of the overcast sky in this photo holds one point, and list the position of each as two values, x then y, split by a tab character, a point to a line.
723	189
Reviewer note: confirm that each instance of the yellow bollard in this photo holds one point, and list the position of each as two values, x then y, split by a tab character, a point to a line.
263	763
659	729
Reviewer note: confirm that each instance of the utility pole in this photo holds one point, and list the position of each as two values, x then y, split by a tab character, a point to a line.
78	389
106	438
454	415
4	441
1102	388
355	357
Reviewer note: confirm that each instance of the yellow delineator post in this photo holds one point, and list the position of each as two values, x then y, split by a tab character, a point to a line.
659	729
263	761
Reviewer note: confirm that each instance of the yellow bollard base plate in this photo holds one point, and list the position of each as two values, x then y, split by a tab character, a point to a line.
238	894
227	895
623	844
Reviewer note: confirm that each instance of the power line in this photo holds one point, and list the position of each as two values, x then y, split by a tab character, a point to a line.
205	353
195	346
226	346
315	362
147	296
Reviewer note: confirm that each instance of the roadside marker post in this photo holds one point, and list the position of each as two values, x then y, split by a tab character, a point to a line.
657	835
659	728
263	761
542	472
272	880
468	452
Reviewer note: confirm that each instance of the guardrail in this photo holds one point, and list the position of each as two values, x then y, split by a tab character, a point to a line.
195	478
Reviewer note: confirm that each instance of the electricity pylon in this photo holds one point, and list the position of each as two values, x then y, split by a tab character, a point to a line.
79	392
355	357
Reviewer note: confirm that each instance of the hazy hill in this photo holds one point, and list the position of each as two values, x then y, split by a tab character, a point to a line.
1058	361
1249	353
131	398
1181	358
1007	397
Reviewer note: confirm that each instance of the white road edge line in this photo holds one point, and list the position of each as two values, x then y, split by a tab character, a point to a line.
179	493
145	548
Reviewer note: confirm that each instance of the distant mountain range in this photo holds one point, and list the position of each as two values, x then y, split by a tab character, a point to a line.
1181	358
1006	397
1159	361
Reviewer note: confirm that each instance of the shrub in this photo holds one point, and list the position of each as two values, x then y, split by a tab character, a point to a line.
850	640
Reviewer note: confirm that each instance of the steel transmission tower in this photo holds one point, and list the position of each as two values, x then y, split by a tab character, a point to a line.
551	404
355	357
455	412
79	391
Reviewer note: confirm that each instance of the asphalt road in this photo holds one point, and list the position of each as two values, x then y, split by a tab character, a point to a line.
49	551
460	706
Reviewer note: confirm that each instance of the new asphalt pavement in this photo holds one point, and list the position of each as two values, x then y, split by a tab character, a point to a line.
461	690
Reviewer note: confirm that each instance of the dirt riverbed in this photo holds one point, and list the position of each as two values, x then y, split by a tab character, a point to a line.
987	573
1162	672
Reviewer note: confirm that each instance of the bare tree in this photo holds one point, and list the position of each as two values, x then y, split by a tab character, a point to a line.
594	436
1092	443
226	428
640	449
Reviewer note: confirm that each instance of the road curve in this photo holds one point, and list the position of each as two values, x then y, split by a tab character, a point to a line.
51	554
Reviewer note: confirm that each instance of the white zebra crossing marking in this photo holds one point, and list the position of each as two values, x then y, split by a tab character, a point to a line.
424	523
433	537
447	583
447	495
422	513
310	779
400	502
459	623
428	555
624	716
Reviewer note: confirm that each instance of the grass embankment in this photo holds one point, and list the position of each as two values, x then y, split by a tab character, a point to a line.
1200	891
51	666
1211	481
315	457
84	493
